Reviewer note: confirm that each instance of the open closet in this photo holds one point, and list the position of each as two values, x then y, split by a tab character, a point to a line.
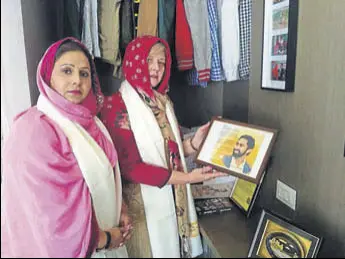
194	105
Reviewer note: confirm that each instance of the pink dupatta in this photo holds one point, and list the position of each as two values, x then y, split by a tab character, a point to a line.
46	208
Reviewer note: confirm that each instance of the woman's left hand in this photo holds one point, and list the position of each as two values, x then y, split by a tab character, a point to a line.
125	219
126	222
200	135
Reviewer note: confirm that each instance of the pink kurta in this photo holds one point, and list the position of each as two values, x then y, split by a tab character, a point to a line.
46	208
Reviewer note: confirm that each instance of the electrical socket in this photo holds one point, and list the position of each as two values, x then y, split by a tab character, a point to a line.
286	195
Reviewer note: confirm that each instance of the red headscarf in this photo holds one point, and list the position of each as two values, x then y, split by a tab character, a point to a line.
135	67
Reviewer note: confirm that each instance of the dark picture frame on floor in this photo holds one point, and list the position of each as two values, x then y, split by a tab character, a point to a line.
277	238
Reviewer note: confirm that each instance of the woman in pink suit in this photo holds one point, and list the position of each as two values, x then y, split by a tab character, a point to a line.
61	187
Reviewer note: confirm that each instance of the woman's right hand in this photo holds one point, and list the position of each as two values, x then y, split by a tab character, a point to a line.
202	174
118	237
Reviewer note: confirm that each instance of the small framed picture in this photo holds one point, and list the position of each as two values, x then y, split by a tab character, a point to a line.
279	45
241	192
236	148
244	194
276	238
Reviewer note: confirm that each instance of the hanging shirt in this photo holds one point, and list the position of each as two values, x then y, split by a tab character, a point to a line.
196	13
166	20
193	79
69	18
216	62
80	9
229	28
183	39
127	30
245	13
109	32
147	19
90	27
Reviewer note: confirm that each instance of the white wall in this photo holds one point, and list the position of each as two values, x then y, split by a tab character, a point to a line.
309	152
15	91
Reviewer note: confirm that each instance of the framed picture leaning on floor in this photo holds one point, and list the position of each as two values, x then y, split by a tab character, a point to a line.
277	238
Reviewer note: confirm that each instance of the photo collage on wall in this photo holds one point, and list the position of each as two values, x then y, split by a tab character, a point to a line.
280	18
279	45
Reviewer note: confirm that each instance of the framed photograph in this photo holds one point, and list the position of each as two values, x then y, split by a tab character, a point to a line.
244	194
279	45
241	192
277	238
236	148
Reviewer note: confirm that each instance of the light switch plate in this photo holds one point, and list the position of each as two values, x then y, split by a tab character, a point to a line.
286	194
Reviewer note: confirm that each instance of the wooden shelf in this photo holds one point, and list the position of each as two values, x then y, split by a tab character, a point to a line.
229	234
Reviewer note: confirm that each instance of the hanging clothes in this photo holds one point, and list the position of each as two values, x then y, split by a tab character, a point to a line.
196	13
80	9
245	13
193	79
183	39
109	32
229	33
127	25
136	4
216	61
147	18
166	21
90	28
69	18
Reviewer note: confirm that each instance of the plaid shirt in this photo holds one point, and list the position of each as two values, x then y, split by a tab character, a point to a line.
245	16
192	78
216	62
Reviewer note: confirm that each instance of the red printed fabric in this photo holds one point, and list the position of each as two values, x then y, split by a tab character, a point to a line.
115	117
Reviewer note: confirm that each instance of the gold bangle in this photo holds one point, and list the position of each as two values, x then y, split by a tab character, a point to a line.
191	143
